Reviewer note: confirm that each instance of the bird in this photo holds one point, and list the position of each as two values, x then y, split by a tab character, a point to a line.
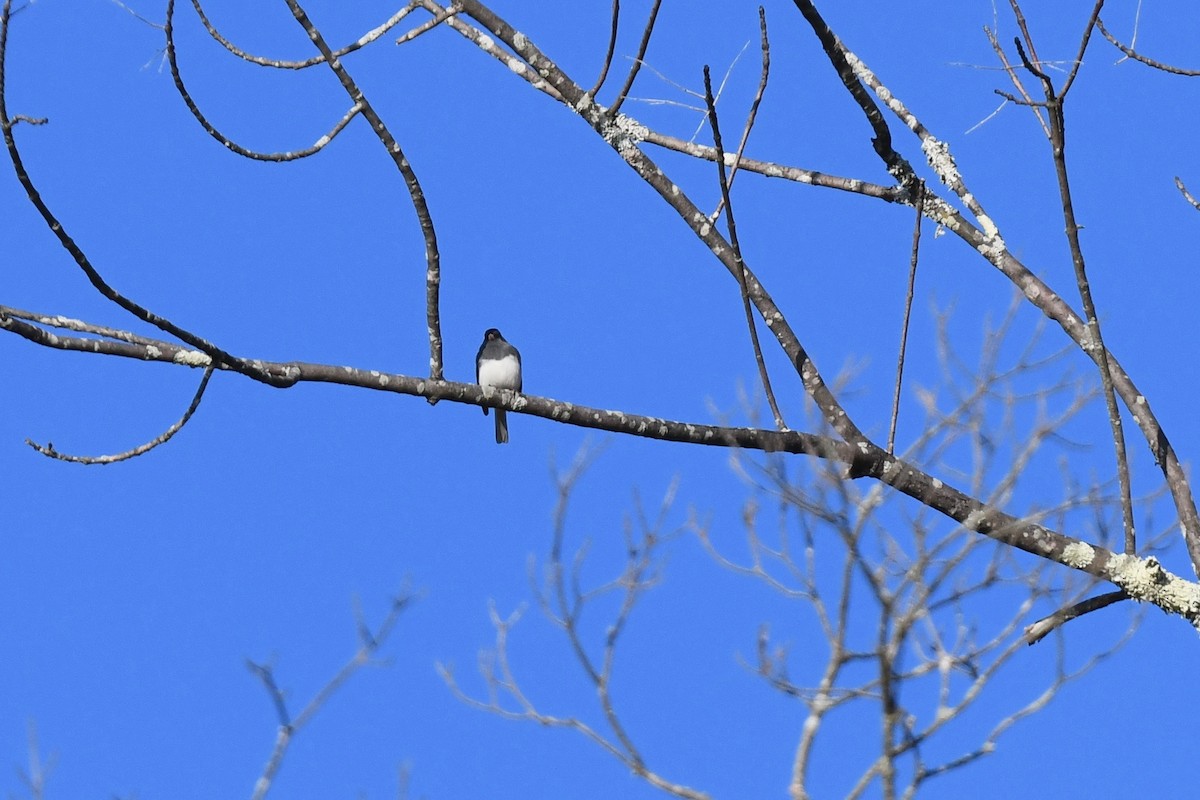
498	364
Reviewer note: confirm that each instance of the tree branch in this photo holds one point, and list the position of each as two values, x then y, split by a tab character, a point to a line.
162	438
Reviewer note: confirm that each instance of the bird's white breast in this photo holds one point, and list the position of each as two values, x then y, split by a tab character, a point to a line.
503	374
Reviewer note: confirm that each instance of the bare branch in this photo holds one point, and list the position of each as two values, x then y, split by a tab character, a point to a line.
612	48
564	603
1037	631
1186	194
1025	99
292	155
68	243
637	61
752	115
362	41
162	438
737	251
433	271
1145	579
1094	348
1150	62
1087	36
624	135
908	298
289	726
437	19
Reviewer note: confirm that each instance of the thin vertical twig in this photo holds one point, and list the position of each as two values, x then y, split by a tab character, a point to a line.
908	300
612	48
753	114
637	60
737	250
1094	347
1087	36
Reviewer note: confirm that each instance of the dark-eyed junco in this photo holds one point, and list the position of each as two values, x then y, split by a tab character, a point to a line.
498	364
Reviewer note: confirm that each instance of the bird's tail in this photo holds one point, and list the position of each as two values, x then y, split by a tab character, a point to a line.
501	426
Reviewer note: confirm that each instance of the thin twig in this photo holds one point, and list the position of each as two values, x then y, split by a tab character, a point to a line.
1037	631
1095	348
225	141
1186	194
362	41
429	24
162	438
289	726
1087	36
38	771
737	251
136	15
753	113
1016	81
908	300
837	54
637	61
612	48
1150	62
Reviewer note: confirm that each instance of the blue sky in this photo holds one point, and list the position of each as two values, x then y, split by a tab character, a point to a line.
131	595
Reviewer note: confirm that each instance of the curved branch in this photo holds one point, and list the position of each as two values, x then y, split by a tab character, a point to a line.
291	155
1136	56
162	438
637	59
612	48
847	67
433	269
93	275
362	41
1186	194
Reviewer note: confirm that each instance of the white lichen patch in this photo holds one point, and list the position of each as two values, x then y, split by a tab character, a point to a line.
518	67
1141	578
1145	579
624	134
937	153
153	353
192	358
992	248
519	41
1078	555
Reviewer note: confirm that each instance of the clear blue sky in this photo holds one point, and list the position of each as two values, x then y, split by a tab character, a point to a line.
130	595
